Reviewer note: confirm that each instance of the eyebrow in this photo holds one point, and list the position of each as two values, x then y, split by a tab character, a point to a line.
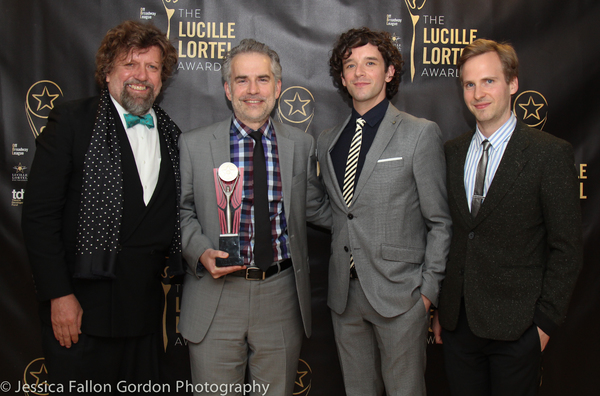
246	76
349	59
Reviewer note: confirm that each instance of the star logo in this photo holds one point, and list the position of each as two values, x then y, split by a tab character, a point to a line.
531	107
303	382
36	376
19	168
45	99
297	105
39	102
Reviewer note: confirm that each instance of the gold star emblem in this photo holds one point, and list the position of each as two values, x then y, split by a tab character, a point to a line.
297	105
35	374
19	168
299	377
531	109
45	99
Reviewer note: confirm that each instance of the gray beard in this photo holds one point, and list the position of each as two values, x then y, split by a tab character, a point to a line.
137	105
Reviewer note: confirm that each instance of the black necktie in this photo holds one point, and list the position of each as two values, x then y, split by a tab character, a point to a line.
480	179
263	246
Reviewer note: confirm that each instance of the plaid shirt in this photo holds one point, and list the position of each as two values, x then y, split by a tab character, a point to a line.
242	148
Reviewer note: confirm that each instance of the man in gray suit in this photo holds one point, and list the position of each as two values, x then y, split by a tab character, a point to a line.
391	225
249	319
516	249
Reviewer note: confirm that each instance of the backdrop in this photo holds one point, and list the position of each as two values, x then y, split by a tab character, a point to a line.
47	57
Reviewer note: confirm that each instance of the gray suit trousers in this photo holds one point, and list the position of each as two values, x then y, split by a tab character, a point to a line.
377	352
261	328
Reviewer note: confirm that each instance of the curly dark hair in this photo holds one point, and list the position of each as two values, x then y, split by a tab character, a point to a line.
354	38
129	35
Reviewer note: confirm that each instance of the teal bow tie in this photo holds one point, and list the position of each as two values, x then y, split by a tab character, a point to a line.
133	120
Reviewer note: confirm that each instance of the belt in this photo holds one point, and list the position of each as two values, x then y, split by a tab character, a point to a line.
353	274
255	273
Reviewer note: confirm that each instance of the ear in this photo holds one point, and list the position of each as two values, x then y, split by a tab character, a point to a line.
390	73
514	85
227	91
278	90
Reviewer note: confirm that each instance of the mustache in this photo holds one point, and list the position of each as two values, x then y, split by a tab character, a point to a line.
147	84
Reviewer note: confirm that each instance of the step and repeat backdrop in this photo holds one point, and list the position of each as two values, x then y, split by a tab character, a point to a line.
47	57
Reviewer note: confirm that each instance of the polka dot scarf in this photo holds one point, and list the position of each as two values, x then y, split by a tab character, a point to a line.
101	207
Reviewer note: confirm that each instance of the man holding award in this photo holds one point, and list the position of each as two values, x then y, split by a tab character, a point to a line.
249	185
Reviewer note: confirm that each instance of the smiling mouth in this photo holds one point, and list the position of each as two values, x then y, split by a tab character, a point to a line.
138	88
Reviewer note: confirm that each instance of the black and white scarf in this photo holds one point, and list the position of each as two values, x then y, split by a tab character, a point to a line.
101	207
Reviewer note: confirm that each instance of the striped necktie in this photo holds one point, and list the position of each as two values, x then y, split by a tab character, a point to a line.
350	172
480	179
352	162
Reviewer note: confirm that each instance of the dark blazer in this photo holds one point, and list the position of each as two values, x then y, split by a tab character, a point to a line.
130	304
516	263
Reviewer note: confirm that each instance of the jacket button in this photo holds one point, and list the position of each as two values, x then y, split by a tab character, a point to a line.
350	216
346	248
471	235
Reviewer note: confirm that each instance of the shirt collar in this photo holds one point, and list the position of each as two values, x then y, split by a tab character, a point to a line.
243	131
373	116
501	135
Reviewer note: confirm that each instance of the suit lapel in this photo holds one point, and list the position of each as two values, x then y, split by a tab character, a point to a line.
388	127
511	165
456	174
285	150
220	146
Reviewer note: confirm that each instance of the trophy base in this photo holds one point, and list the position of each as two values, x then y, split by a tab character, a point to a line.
230	243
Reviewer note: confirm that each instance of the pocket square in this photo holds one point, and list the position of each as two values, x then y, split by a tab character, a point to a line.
390	159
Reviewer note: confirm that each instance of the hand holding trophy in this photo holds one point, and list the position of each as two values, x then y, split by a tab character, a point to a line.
229	203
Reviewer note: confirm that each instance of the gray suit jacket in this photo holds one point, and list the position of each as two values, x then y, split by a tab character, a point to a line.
207	148
398	227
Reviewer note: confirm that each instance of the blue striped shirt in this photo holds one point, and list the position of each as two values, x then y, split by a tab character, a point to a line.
498	142
242	148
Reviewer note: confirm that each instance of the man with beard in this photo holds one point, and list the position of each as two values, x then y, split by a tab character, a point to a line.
249	320
101	217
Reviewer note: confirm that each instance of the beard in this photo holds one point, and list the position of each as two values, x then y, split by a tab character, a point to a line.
140	102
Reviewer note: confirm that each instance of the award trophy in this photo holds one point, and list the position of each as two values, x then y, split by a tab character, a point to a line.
229	202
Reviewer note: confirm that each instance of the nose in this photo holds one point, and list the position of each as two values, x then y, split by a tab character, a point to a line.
141	73
359	70
253	87
478	92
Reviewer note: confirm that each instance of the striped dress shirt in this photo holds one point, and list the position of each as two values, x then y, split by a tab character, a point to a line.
498	142
242	148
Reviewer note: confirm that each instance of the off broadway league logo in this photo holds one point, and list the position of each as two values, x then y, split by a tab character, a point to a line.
532	108
39	102
296	106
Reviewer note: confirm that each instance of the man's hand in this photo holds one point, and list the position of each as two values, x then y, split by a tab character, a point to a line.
208	260
437	328
66	316
544	338
427	303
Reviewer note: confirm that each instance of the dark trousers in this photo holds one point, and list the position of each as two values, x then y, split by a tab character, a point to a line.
102	365
483	367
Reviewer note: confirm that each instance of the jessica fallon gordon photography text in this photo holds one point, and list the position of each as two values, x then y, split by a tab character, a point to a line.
89	386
